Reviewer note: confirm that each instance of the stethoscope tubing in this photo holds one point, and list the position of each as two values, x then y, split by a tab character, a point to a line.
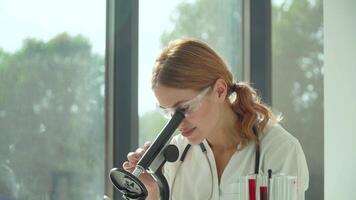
203	149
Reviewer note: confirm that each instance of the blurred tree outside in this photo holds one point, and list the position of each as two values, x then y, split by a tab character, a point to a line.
297	79
52	118
151	123
217	23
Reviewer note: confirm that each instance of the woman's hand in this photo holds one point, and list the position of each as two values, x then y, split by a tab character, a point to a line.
147	180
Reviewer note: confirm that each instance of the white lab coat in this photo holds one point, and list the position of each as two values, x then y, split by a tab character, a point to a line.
196	177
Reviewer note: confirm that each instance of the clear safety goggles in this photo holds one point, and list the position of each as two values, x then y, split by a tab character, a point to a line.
188	106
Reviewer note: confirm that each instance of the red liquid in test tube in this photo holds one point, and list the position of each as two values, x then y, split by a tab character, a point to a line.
252	189
263	193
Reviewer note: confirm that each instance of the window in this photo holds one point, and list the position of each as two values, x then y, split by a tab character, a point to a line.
297	79
174	20
52	99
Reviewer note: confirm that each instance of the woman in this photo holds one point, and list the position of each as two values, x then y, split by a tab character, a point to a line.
226	124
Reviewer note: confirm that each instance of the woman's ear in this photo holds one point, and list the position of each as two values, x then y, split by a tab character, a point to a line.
220	89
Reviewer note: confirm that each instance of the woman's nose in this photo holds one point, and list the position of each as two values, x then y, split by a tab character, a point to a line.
183	124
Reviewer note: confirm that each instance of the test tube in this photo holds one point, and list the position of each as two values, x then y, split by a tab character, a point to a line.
292	186
276	187
263	191
252	187
283	187
243	187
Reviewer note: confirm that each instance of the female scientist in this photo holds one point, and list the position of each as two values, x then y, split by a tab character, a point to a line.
227	133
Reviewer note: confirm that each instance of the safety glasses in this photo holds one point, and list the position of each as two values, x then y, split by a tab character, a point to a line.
188	106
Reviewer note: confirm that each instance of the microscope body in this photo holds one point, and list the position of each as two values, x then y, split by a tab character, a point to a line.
152	161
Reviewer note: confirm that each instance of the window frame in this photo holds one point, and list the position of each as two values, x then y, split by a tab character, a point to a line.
121	85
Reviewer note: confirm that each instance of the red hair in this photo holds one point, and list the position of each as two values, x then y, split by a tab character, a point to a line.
192	64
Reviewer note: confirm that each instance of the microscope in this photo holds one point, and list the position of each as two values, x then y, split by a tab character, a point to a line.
152	161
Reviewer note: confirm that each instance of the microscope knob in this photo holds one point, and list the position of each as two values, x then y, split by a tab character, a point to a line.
171	153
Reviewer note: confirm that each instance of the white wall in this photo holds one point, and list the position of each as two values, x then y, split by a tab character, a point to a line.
340	99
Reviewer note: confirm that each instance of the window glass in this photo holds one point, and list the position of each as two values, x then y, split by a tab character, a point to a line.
297	79
177	19
52	99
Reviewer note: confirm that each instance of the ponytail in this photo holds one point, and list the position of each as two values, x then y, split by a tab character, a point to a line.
252	114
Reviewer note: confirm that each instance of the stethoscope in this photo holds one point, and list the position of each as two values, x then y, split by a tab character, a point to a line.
204	151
